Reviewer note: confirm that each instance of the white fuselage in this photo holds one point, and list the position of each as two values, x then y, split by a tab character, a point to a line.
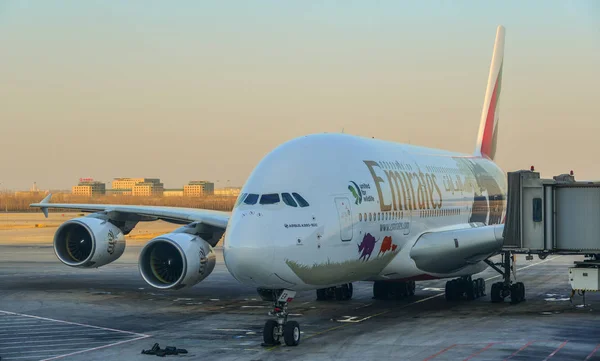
369	201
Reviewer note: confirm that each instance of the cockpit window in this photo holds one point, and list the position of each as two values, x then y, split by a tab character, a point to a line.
288	199
301	201
251	199
240	199
270	198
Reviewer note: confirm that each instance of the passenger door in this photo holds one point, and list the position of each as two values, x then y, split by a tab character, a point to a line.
345	218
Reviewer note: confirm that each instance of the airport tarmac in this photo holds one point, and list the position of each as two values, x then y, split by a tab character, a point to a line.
51	311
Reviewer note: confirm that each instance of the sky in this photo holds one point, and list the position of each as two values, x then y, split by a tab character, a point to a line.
192	90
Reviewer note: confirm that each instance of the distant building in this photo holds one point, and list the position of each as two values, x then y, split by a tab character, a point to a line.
148	189
33	191
173	193
198	188
228	191
119	192
137	186
89	187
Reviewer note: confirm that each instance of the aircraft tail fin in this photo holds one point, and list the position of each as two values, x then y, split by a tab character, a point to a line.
488	127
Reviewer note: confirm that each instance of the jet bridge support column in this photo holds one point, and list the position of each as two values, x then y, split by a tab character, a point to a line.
501	290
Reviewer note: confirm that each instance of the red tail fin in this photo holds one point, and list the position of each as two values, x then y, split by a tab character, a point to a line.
488	127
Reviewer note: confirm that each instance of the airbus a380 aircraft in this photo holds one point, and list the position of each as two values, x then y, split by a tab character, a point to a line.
323	211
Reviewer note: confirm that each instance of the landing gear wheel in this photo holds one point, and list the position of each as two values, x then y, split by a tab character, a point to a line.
401	289
291	333
411	288
339	294
322	294
515	293
470	290
380	290
496	292
481	285
271	333
450	286
346	292
522	288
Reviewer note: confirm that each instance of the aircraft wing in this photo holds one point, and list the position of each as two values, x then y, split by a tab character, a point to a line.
446	251
176	215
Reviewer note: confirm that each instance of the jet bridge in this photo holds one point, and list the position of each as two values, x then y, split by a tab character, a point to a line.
559	215
553	216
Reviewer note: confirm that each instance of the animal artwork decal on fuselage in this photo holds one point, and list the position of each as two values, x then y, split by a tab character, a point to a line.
364	266
466	183
366	247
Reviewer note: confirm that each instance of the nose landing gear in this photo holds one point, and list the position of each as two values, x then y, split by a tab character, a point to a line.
279	328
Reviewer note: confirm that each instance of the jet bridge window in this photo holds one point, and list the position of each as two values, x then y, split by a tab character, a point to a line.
271	198
301	201
289	200
537	209
251	199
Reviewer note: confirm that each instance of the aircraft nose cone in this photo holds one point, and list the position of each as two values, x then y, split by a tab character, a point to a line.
248	249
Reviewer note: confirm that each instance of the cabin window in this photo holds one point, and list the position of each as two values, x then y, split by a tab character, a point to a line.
271	198
289	200
301	201
240	199
251	199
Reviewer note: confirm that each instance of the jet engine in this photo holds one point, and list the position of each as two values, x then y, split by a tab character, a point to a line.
176	260
88	242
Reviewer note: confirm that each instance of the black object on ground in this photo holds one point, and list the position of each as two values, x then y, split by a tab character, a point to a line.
169	350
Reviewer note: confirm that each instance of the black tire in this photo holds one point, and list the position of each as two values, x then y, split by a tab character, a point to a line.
521	291
322	294
496	292
459	288
515	293
291	333
411	288
270	333
449	292
470	290
345	292
402	289
339	294
351	290
481	283
380	290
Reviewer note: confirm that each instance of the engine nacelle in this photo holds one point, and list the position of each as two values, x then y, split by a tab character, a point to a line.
88	242
176	260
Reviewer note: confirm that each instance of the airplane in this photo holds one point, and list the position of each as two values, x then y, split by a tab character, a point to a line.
322	211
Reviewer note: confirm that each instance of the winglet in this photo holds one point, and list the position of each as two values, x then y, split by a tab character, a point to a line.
44	201
488	128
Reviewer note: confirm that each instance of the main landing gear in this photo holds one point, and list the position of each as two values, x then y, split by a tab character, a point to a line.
505	288
465	286
339	293
279	328
383	290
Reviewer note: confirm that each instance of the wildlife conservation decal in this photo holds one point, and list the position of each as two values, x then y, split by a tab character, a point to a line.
360	192
356	193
